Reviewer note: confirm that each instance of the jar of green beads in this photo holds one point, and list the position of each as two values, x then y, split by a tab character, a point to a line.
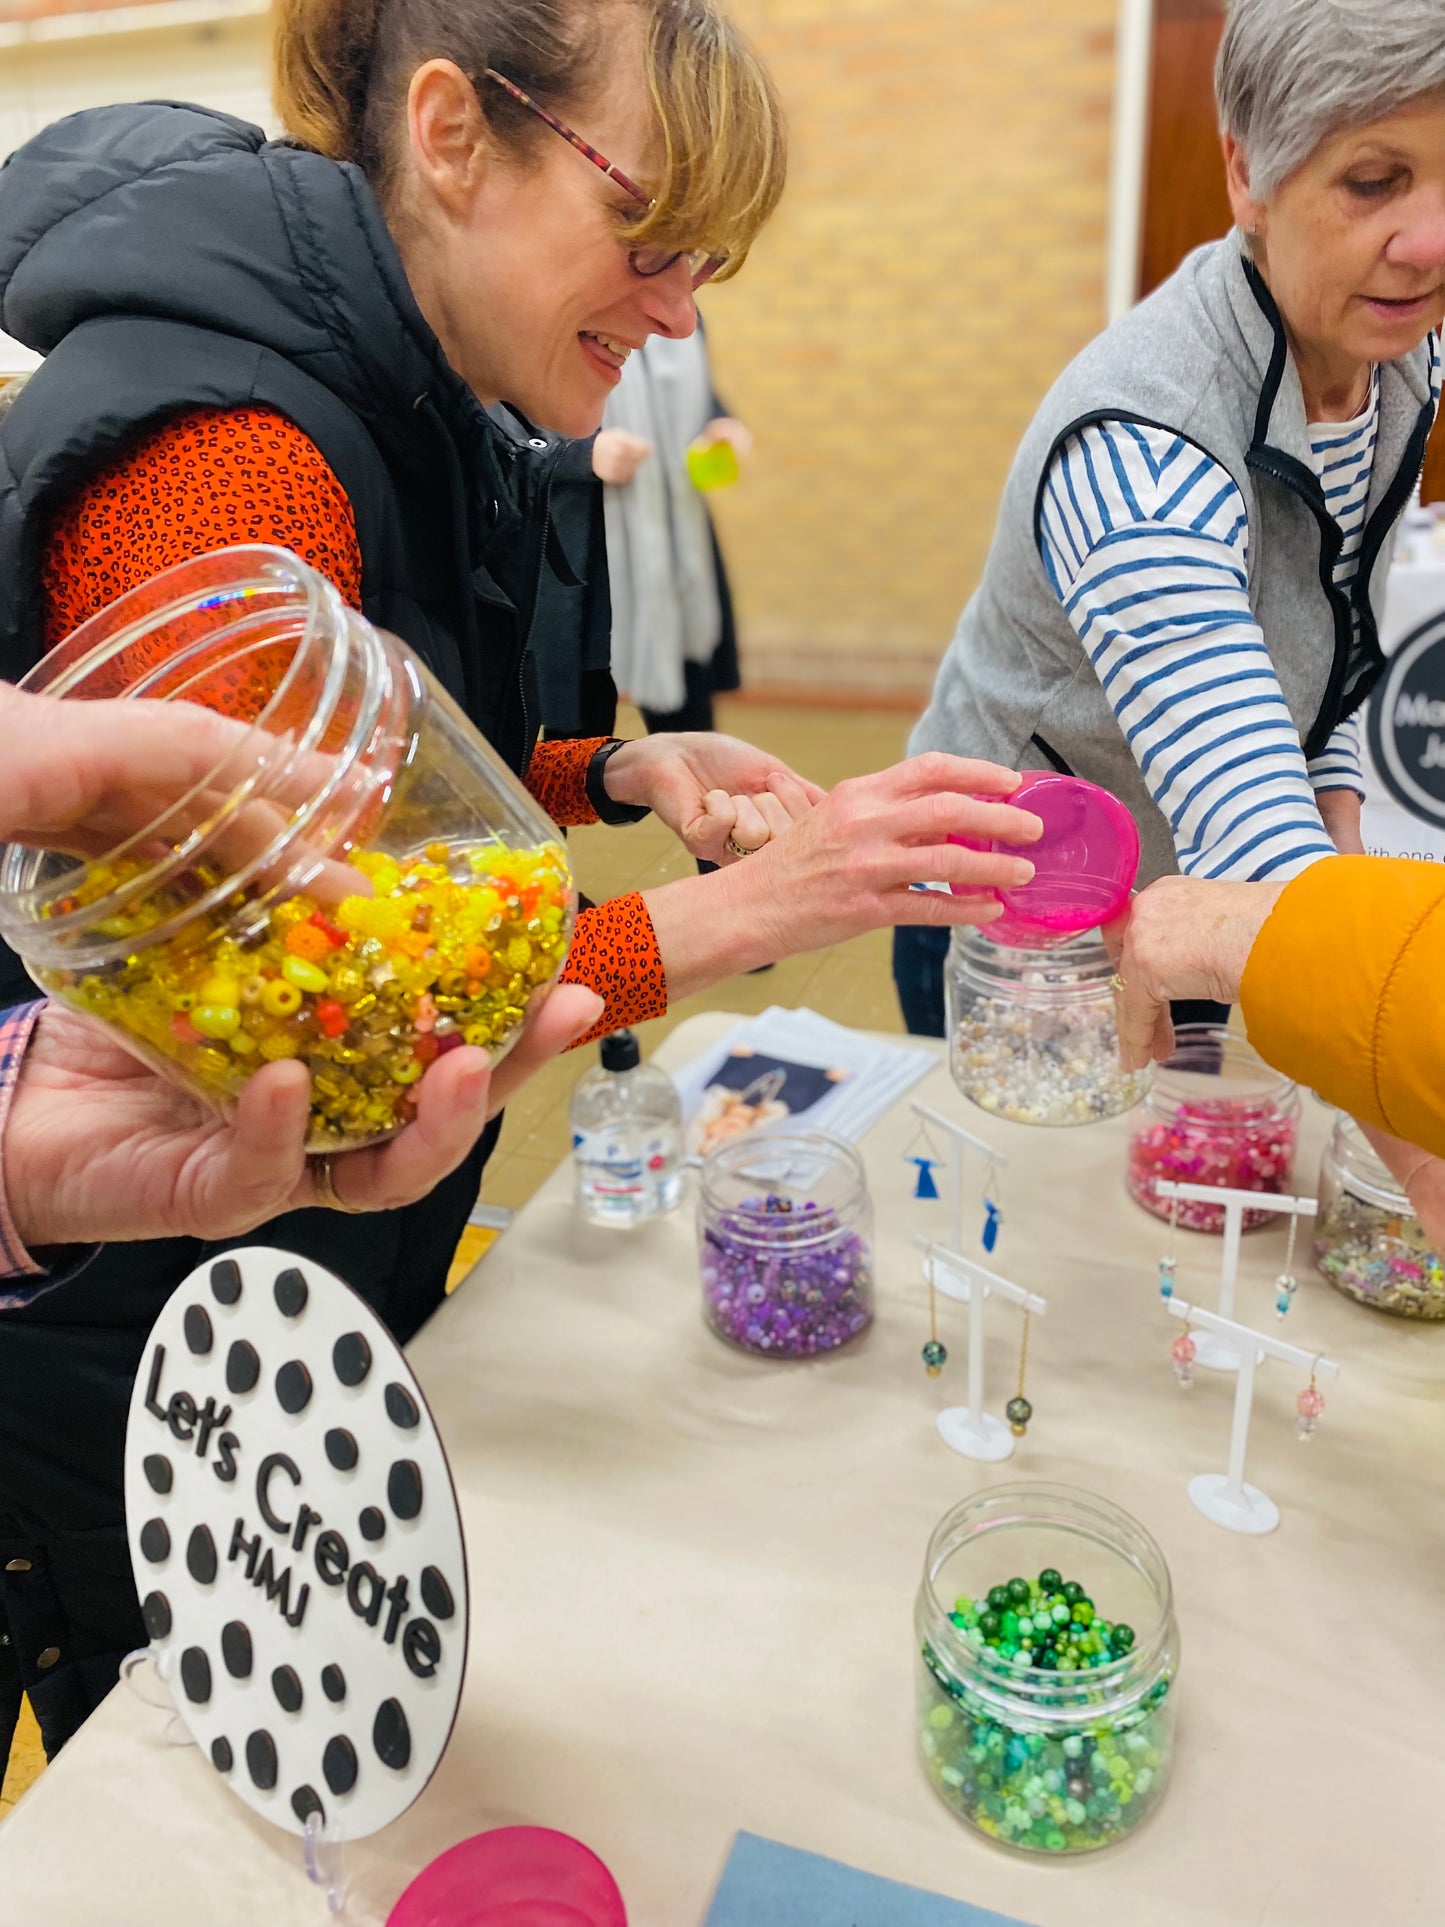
1047	1661
356	881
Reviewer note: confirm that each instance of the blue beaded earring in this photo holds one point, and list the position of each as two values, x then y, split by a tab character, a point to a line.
1286	1285
926	1186
1169	1263
992	1209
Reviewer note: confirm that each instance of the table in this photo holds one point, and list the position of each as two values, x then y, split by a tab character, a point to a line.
693	1575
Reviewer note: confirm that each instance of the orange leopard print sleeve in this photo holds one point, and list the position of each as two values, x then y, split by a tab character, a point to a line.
213	479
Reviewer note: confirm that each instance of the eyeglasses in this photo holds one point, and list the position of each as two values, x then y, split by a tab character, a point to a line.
648	262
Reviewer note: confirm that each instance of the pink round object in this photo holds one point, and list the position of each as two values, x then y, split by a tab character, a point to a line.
1085	863
513	1877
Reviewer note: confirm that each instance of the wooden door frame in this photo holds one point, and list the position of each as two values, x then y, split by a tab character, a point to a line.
1128	174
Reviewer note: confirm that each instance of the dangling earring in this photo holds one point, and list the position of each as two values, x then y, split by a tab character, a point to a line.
1286	1285
926	1161
1169	1263
1310	1406
1018	1411
992	1209
1184	1350
935	1356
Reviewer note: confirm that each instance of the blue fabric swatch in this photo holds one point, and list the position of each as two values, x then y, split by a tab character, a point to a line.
765	1884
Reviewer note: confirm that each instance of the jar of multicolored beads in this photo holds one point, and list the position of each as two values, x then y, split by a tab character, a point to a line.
1217	1115
1033	1034
1047	1661
358	882
1368	1241
785	1236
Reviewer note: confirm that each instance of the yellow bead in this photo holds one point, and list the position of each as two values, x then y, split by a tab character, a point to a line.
407	1072
478	1035
225	991
277	1046
253	990
347	983
304	975
281	998
216	1020
243	1043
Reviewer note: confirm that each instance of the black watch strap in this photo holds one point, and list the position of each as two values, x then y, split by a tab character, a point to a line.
607	810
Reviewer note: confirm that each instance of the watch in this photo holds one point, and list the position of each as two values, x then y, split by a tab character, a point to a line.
607	810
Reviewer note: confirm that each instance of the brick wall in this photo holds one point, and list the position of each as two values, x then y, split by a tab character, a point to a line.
938	258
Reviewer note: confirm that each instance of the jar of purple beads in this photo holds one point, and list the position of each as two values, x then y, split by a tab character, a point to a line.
785	1236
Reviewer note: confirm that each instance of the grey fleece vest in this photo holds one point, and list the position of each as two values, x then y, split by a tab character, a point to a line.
1206	357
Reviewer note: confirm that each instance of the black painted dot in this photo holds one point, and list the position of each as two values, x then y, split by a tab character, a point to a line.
261	1759
403	1488
155	1541
372	1523
198	1329
286	1685
236	1649
222	1758
156	1612
201	1562
226	1282
341	1450
293	1387
339	1765
304	1802
196	1675
401	1407
157	1468
333	1685
243	1367
436	1594
351	1358
391	1736
291	1293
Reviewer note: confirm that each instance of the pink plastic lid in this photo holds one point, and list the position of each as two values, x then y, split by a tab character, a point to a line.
1085	862
514	1877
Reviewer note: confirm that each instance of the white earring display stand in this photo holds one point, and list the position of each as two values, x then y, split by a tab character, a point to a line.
969	1429
1217	1353
959	1141
1224	1497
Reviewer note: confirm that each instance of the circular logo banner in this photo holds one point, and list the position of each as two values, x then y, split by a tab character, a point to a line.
1407	723
296	1543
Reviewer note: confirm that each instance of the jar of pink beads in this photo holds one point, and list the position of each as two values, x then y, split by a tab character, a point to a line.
1218	1115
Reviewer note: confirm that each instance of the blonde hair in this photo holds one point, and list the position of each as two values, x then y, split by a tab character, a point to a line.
343	67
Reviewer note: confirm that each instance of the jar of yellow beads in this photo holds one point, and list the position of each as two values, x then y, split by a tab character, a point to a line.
358	883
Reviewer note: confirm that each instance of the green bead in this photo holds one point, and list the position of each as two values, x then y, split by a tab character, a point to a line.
1083	1614
1073	1747
1026	1624
1123	1639
1049	1580
1060	1615
1011	1626
1073	1592
998	1598
990	1625
1018	1591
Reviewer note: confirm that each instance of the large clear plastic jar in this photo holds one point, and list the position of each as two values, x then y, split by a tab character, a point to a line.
1033	1034
1368	1241
1217	1115
785	1242
1039	1758
358	882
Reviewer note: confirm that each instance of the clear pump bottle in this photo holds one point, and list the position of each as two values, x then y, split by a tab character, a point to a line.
626	1138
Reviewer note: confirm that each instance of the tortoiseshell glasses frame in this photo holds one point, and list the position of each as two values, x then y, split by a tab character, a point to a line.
648	262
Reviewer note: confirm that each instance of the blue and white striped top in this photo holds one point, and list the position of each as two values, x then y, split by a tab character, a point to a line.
1146	541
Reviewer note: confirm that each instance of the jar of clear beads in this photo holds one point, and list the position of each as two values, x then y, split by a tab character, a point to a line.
785	1237
1047	1661
1368	1241
1032	1033
357	882
1217	1115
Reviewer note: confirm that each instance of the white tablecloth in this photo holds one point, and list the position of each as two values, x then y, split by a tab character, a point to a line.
693	1575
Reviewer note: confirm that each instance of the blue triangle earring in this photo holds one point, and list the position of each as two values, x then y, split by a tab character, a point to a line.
992	1210
926	1161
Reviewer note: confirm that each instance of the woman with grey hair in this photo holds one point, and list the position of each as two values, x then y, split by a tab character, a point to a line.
1183	595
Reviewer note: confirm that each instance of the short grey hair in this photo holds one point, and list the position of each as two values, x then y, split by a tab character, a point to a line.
1292	73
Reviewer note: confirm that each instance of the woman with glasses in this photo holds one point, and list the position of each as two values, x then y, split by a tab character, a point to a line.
298	343
1182	601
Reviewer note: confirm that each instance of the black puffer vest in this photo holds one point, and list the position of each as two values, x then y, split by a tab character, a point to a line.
163	258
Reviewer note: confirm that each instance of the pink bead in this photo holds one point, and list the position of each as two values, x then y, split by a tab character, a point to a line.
425	1015
1184	1349
1311	1402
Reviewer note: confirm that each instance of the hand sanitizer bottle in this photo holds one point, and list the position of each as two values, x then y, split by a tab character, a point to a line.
626	1138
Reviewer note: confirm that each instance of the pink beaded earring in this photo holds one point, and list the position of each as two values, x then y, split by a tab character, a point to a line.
1184	1350
1309	1405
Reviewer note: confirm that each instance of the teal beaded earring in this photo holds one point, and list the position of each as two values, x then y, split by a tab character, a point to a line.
1286	1285
1169	1263
935	1355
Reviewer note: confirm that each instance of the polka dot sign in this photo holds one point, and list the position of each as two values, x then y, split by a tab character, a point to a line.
296	1543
